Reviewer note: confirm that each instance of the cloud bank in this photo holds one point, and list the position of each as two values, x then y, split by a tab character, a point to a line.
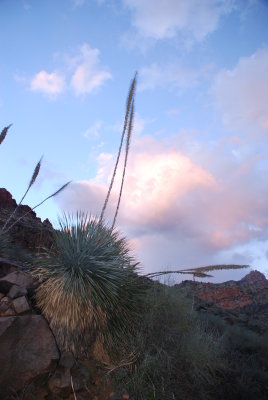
177	207
241	93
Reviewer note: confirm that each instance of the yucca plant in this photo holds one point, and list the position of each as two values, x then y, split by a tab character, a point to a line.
89	284
89	287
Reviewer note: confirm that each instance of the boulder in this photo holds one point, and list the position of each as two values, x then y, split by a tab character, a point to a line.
60	382
21	305
16	291
28	351
19	278
6	267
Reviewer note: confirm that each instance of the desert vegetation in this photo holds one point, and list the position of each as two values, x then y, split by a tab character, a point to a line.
158	346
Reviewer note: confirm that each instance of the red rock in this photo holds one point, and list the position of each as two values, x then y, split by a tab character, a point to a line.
6	199
29	232
233	295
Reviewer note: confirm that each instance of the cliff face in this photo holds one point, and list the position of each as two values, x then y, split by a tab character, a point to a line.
30	232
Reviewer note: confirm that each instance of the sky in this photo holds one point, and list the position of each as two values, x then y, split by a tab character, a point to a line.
196	186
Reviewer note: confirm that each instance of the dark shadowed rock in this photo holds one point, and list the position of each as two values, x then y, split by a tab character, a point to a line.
27	351
16	291
30	233
21	305
19	278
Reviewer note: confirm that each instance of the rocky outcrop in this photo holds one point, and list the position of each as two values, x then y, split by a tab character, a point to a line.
233	295
244	302
30	232
31	364
28	351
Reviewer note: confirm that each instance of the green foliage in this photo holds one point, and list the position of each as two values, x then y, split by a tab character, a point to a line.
245	353
89	286
178	357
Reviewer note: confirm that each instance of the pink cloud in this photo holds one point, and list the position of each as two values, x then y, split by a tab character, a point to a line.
49	83
241	93
177	207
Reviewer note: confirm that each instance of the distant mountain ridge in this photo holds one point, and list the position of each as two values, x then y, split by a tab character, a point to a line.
244	302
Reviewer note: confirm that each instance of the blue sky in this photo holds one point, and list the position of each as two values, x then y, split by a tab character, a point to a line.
196	189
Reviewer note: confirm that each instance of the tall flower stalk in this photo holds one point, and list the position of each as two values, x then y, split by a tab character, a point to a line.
129	112
33	179
130	125
5	227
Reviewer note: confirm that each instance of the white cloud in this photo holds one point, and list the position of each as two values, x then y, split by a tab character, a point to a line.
242	95
78	3
170	75
88	75
48	83
160	19
94	130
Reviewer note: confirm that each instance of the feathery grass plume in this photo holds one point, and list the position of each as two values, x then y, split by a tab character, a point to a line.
39	204
130	126
33	179
4	133
130	98
89	287
199	272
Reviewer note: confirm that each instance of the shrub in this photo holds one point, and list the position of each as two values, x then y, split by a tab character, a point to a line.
177	357
89	286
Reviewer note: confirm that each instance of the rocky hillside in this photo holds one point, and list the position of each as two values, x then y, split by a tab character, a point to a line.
244	302
32	366
30	232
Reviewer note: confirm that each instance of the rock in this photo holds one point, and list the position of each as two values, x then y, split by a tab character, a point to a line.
232	295
5	286
5	324
244	302
6	267
21	305
6	199
27	351
29	232
16	291
6	310
19	278
60	382
67	360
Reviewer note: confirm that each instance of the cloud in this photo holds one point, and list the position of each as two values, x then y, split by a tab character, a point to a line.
170	75
179	209
78	3
88	75
48	83
161	19
241	93
94	130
